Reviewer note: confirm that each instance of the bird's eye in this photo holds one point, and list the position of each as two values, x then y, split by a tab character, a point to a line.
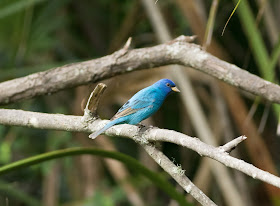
167	84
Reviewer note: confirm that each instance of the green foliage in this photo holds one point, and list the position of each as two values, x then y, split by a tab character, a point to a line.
154	177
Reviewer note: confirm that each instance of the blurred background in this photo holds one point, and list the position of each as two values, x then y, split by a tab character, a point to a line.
37	35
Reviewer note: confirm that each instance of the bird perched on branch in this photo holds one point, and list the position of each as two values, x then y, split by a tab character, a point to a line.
142	105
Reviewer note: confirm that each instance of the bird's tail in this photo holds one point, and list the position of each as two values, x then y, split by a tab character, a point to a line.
98	132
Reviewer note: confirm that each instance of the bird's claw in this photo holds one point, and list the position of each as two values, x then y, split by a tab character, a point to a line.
140	125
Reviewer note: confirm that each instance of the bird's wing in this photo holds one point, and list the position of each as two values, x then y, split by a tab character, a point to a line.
130	107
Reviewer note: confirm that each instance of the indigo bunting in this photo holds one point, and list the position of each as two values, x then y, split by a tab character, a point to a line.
142	105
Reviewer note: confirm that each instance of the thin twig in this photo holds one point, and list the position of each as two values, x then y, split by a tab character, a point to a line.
228	147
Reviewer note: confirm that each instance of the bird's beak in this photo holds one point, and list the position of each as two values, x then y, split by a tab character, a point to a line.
175	89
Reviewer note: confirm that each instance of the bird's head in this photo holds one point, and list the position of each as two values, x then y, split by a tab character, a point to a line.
166	86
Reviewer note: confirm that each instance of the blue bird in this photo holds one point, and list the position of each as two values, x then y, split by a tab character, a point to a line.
142	105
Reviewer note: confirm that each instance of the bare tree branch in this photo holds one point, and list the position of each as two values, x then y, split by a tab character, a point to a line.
80	124
228	147
67	122
93	100
177	51
178	174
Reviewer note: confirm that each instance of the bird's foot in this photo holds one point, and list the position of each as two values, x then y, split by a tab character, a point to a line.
143	128
140	125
